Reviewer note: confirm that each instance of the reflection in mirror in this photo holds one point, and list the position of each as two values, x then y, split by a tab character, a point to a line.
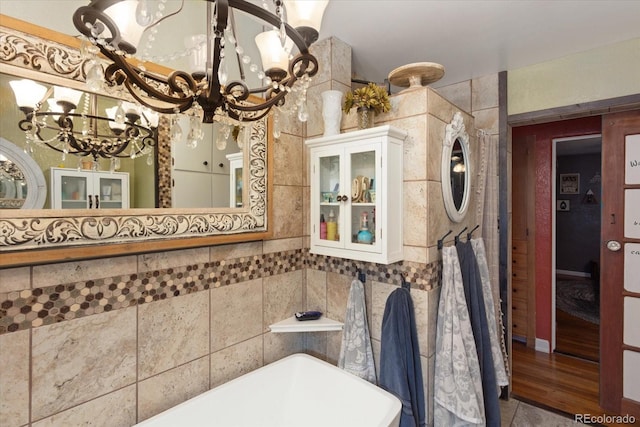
140	170
457	173
22	184
34	235
201	174
456	169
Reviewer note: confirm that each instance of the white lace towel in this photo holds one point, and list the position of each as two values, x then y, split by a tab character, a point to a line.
356	355
490	309
457	383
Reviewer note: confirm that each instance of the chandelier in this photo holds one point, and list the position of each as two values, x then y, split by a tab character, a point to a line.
116	28
127	130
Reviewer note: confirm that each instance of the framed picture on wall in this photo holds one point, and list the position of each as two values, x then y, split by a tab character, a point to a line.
569	183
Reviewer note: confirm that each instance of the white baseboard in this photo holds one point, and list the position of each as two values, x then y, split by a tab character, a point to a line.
542	345
573	273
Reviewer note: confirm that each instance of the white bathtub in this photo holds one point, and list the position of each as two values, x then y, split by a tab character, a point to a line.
299	390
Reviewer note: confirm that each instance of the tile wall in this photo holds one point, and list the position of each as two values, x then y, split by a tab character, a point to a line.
117	340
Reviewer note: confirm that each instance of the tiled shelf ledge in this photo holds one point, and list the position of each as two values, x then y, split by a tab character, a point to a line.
293	325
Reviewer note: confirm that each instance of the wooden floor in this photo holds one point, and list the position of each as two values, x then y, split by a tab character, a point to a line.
577	337
555	381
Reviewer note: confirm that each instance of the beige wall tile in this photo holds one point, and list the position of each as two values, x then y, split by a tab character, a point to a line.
428	365
315	124
340	61
282	297
164	391
282	245
14	378
420	300
484	92
287	160
406	104
76	361
289	125
458	94
414	147
315	344
236	313
436	129
163	260
438	221
321	49
442	108
172	332
334	343
380	293
486	120
414	213
236	360
69	272
277	346
15	279
235	250
117	409
316	285
338	287
287	211
415	254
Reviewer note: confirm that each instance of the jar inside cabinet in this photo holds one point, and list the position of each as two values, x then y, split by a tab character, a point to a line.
351	194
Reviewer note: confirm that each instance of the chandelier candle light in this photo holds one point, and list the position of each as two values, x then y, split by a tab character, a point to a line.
116	28
126	131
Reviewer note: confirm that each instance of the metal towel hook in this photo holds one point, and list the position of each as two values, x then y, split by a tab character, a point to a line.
360	275
471	232
457	238
441	241
406	285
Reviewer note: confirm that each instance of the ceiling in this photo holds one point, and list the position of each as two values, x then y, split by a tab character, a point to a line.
474	38
470	38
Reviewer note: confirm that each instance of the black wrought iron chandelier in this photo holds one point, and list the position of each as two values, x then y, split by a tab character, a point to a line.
116	26
126	131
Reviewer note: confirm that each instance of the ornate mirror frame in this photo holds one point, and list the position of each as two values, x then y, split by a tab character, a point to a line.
42	236
33	177
455	131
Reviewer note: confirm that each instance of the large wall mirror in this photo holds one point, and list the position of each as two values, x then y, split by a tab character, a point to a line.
456	169
179	196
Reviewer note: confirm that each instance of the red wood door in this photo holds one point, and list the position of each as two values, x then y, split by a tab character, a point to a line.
620	292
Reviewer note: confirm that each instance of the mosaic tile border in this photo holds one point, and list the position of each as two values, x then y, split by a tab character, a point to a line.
32	308
420	276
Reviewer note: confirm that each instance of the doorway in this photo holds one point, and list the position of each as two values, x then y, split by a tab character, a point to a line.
576	222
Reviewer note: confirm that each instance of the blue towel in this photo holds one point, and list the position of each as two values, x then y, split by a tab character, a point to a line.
472	282
400	368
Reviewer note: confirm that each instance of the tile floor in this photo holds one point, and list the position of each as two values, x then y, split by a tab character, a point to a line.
520	414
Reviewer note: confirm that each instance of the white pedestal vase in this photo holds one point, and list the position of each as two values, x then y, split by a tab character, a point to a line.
331	111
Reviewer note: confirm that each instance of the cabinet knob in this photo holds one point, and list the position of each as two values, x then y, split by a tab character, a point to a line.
206	163
342	198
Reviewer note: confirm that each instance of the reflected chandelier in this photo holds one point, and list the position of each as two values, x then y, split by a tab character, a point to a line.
116	27
127	131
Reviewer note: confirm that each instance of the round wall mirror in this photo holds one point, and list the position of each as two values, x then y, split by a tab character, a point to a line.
456	169
22	184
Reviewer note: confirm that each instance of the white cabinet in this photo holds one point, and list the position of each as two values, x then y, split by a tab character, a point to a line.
86	189
235	182
356	194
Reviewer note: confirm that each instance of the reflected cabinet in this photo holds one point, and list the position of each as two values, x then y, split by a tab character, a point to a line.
356	194
85	189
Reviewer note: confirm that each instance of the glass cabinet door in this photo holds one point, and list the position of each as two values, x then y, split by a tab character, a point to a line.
72	191
330	193
361	222
109	192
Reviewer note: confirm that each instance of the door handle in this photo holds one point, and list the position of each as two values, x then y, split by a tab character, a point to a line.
614	245
97	202
90	201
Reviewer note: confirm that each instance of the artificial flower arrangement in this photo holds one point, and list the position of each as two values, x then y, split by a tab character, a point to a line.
371	96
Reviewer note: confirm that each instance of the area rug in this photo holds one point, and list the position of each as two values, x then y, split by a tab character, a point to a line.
577	298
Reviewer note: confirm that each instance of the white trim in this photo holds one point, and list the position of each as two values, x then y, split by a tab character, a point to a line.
542	345
573	273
